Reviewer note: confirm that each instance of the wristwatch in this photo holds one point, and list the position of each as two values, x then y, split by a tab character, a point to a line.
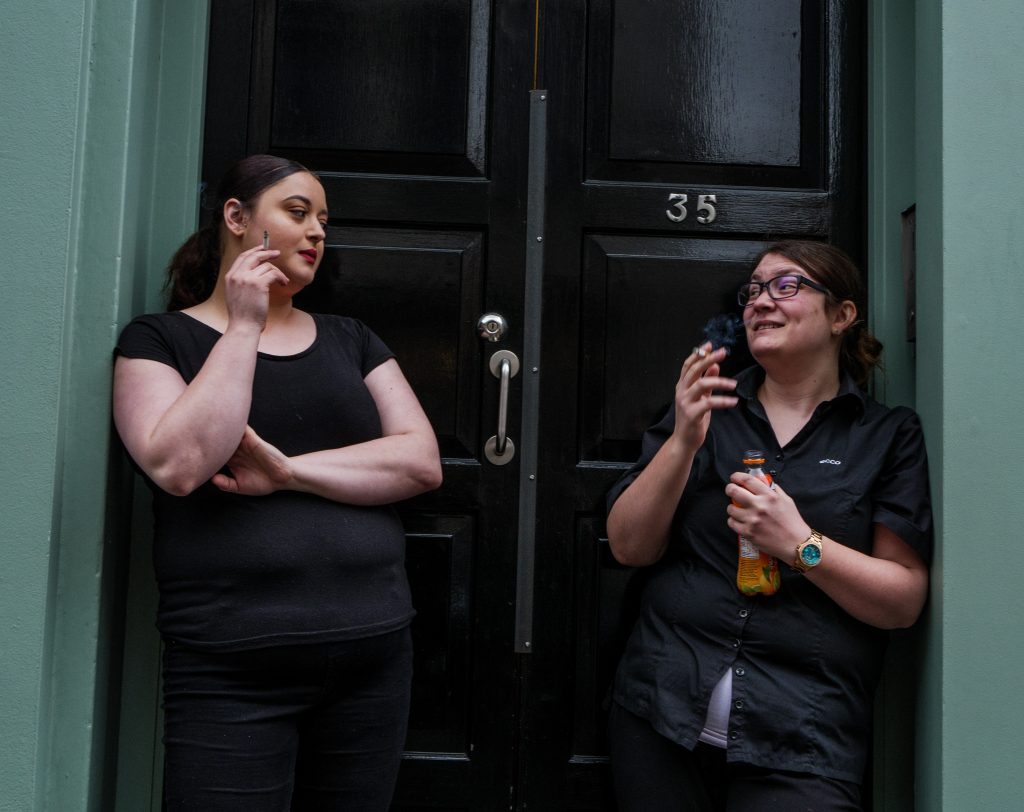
808	553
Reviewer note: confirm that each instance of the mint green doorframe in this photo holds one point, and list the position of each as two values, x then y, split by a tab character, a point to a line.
102	112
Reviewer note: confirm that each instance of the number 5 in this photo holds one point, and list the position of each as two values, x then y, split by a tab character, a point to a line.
706	209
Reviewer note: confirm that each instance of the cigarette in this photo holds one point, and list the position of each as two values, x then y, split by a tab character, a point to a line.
700	352
266	240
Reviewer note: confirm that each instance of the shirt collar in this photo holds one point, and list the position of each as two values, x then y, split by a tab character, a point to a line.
749	381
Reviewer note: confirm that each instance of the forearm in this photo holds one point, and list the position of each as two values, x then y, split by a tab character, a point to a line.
641	518
880	592
376	472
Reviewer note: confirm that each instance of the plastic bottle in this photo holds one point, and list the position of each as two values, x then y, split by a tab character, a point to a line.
757	573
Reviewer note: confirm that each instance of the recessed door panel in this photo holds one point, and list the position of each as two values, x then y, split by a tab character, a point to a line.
726	91
686	69
421	291
646	301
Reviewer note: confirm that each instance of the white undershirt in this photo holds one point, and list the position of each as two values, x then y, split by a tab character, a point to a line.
716	724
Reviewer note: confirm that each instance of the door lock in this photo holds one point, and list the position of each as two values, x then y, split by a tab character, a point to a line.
491	326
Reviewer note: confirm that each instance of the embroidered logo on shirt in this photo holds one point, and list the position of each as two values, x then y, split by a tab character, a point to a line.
829	462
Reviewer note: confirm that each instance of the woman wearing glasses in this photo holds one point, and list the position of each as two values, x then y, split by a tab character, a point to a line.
727	701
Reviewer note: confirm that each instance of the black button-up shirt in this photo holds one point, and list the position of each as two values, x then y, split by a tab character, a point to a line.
803	670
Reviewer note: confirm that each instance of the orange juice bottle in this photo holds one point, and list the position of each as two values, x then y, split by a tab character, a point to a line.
757	573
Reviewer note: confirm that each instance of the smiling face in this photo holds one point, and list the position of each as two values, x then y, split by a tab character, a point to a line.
805	326
293	213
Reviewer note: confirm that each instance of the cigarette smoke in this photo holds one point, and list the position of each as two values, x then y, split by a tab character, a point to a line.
723	330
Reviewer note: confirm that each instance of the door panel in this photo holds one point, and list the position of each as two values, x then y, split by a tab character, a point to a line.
434	293
681	138
717	59
725	92
626	361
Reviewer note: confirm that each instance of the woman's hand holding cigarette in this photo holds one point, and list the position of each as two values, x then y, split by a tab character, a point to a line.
697	394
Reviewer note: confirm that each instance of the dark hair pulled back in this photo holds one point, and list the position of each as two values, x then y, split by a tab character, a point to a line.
860	352
192	272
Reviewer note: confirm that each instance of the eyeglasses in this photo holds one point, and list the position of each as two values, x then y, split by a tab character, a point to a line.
785	286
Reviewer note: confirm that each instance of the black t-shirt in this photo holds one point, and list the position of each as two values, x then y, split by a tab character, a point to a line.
803	670
240	572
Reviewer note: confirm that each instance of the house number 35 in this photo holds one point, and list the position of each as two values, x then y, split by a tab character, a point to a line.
677	212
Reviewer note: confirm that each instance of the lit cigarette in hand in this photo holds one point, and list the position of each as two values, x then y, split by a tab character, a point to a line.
266	240
700	352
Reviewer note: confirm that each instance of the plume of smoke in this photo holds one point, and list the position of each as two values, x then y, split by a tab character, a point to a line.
723	330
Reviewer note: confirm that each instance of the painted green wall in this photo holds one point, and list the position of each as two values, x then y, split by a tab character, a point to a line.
38	173
970	390
947	109
101	112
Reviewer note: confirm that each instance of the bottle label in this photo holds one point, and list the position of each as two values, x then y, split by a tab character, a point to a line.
747	548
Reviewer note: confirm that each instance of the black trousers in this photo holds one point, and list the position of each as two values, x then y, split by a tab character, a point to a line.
654	774
302	727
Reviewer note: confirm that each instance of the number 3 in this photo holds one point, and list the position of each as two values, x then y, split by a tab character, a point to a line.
677	201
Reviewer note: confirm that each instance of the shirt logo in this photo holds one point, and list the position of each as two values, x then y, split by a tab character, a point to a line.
829	462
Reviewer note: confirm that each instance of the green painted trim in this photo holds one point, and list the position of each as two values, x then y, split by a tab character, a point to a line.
139	125
929	184
891	190
41	57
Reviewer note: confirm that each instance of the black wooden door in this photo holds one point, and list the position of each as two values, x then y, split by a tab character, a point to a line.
680	135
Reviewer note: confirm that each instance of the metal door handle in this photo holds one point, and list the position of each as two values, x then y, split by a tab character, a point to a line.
501	437
499	449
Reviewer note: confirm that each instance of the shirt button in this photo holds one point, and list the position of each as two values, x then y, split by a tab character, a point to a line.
779	456
738	704
740	671
744	613
734	735
735	643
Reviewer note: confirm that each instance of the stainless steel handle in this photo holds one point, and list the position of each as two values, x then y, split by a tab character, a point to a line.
502	436
499	449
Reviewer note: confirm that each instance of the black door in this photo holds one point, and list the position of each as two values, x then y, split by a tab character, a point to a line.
672	139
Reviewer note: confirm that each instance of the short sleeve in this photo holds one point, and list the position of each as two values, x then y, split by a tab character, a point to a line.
901	495
146	337
374	351
654	438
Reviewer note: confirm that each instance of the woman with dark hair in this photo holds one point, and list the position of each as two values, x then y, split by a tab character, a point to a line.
740	702
275	442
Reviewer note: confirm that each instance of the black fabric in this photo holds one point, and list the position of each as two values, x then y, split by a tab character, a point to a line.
652	774
239	572
804	671
308	727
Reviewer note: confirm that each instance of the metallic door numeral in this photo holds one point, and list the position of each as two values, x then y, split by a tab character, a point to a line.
706	211
677	201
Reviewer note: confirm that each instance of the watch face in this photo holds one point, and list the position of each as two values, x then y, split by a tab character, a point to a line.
810	554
